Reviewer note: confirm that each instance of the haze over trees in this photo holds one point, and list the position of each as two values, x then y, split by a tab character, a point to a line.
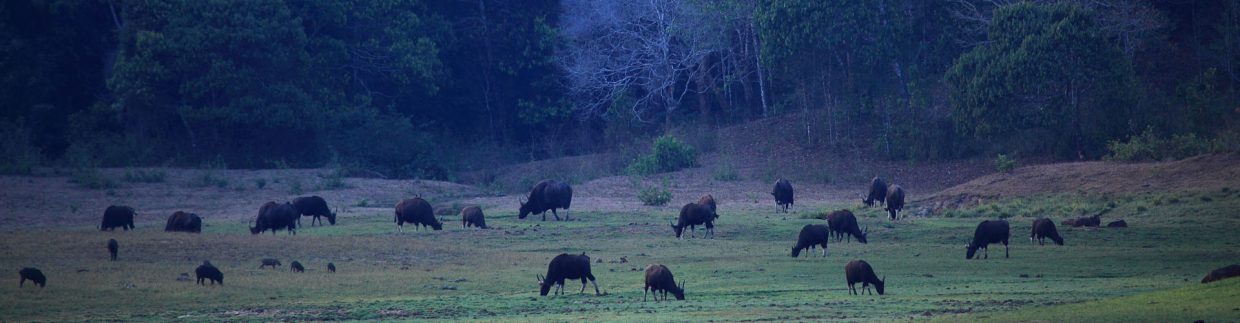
409	88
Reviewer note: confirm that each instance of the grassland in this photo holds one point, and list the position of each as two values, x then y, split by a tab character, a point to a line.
1147	272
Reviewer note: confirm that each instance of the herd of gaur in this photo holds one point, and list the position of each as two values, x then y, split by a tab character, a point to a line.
550	195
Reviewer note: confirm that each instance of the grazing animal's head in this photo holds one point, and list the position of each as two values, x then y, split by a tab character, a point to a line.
678	229
971	250
864	232
544	286
679	292
878	286
525	209
796	251
437	225
332	218
255	230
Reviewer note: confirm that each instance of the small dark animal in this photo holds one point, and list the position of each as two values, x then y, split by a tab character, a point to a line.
183	222
206	271
34	275
473	216
1222	273
296	267
988	232
895	200
331	267
859	271
709	202
659	279
567	267
783	195
1045	228
117	216
547	195
112	247
1093	221
416	211
878	192
273	263
1117	224
692	215
272	216
844	224
314	206
812	235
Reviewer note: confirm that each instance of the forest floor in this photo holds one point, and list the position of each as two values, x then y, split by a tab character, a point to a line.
1181	215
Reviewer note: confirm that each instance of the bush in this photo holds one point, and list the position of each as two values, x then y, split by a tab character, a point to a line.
92	178
726	173
1150	147
1004	164
668	155
655	196
260	182
208	179
18	155
141	176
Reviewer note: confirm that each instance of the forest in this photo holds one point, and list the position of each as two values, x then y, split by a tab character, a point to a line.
421	89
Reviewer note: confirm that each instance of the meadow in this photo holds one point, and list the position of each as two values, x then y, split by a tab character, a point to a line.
1147	272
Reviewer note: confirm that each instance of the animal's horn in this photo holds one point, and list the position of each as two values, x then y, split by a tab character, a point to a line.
884	279
866	229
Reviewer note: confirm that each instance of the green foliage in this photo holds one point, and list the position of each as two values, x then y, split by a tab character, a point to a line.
144	176
260	183
92	178
18	155
1148	146
208	178
668	155
726	173
294	186
1004	164
654	195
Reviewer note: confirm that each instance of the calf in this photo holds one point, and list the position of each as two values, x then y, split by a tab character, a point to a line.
206	271
117	216
331	267
296	267
416	211
567	267
112	247
1222	273
473	216
812	235
859	271
692	215
1045	228
659	279
844	224
270	262
32	274
988	232
783	195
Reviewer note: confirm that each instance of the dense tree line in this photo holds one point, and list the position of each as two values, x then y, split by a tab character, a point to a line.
399	86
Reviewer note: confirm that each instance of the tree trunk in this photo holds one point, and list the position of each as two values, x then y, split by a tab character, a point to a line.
758	63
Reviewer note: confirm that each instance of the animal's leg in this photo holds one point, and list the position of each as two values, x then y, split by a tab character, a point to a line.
852	289
595	283
646	290
865	287
1005	249
824	249
22	283
401	228
567	215
557	215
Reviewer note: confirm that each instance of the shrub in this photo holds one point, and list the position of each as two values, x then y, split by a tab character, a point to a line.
18	155
1004	164
208	179
654	196
92	178
294	186
1150	147
726	173
260	182
141	176
668	155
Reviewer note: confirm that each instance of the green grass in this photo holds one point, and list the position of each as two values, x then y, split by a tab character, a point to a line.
745	273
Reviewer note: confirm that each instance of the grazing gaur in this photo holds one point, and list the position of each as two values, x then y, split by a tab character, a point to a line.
34	275
659	279
314	206
878	192
844	224
272	216
206	271
1045	228
988	232
183	222
812	235
692	215
567	267
331	267
783	195
473	216
859	271
117	216
709	202
1222	273
547	195
112	248
296	267
895	200
416	211
268	262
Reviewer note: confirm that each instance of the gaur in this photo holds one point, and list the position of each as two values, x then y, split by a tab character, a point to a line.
1045	228
1222	273
988	232
473	216
859	271
895	200
272	216
184	222
692	215
296	267
32	274
844	224
117	216
878	192
567	267
709	202
314	206
416	211
331	267
812	235
547	195
268	262
783	195
659	279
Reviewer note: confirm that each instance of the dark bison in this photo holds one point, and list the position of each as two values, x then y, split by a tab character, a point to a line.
812	235
416	211
113	246
709	202
783	195
314	206
473	216
184	222
117	216
268	262
659	279
272	216
547	195
567	267
1091	221
206	271
844	224
692	215
859	271
895	200
1045	228
988	232
878	192
34	275
331	267
1222	273
296	267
